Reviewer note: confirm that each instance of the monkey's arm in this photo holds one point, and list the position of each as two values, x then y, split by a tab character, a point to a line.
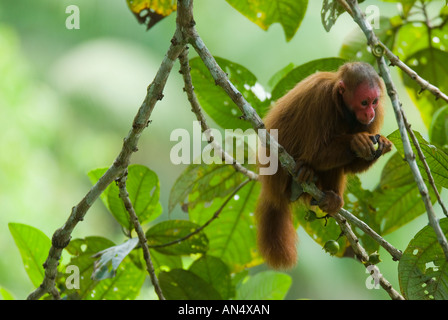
360	164
354	152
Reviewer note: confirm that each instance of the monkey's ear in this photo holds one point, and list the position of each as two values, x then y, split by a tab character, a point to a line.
341	86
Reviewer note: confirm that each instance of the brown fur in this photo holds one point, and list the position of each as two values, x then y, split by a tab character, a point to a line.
314	126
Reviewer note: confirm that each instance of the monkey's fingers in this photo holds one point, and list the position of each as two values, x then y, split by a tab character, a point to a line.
387	144
384	146
304	173
363	147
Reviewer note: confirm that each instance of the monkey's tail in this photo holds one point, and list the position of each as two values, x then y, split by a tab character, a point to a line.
277	237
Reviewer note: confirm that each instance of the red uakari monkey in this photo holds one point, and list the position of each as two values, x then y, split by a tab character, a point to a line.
328	122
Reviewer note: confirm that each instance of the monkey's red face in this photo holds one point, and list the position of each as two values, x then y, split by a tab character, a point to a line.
362	102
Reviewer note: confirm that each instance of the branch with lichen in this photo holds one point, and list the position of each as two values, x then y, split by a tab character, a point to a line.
124	196
197	110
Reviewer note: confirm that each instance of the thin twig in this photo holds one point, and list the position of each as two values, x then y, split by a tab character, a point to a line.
196	108
124	195
425	164
318	194
373	41
364	258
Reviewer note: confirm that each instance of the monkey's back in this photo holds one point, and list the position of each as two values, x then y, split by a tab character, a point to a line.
304	117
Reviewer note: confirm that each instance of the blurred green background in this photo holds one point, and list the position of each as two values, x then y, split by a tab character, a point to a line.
68	98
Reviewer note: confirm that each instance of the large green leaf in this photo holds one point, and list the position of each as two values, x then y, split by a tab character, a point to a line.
202	182
179	284
423	269
436	158
5	294
438	132
125	285
162	7
216	103
301	72
34	246
264	13
267	285
216	273
397	199
143	187
173	230
232	236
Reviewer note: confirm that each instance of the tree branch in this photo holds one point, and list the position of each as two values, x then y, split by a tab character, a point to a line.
124	195
196	108
62	236
373	41
364	258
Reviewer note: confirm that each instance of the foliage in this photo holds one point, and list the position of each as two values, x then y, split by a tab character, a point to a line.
208	257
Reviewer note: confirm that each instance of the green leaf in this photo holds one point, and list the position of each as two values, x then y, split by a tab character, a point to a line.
438	132
125	285
301	72
355	45
203	183
232	236
430	64
34	246
216	273
267	285
179	284
161	7
5	294
173	230
423	270
406	5
436	158
143	187
280	74
264	13
397	199
331	10
217	104
110	259
320	230
359	202
162	262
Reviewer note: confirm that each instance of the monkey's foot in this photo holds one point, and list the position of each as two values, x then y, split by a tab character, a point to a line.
331	203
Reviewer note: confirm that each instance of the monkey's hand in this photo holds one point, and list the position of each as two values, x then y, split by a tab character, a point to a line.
303	172
362	145
331	203
383	147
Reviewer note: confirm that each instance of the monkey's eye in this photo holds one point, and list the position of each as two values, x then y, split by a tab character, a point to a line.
375	101
364	103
